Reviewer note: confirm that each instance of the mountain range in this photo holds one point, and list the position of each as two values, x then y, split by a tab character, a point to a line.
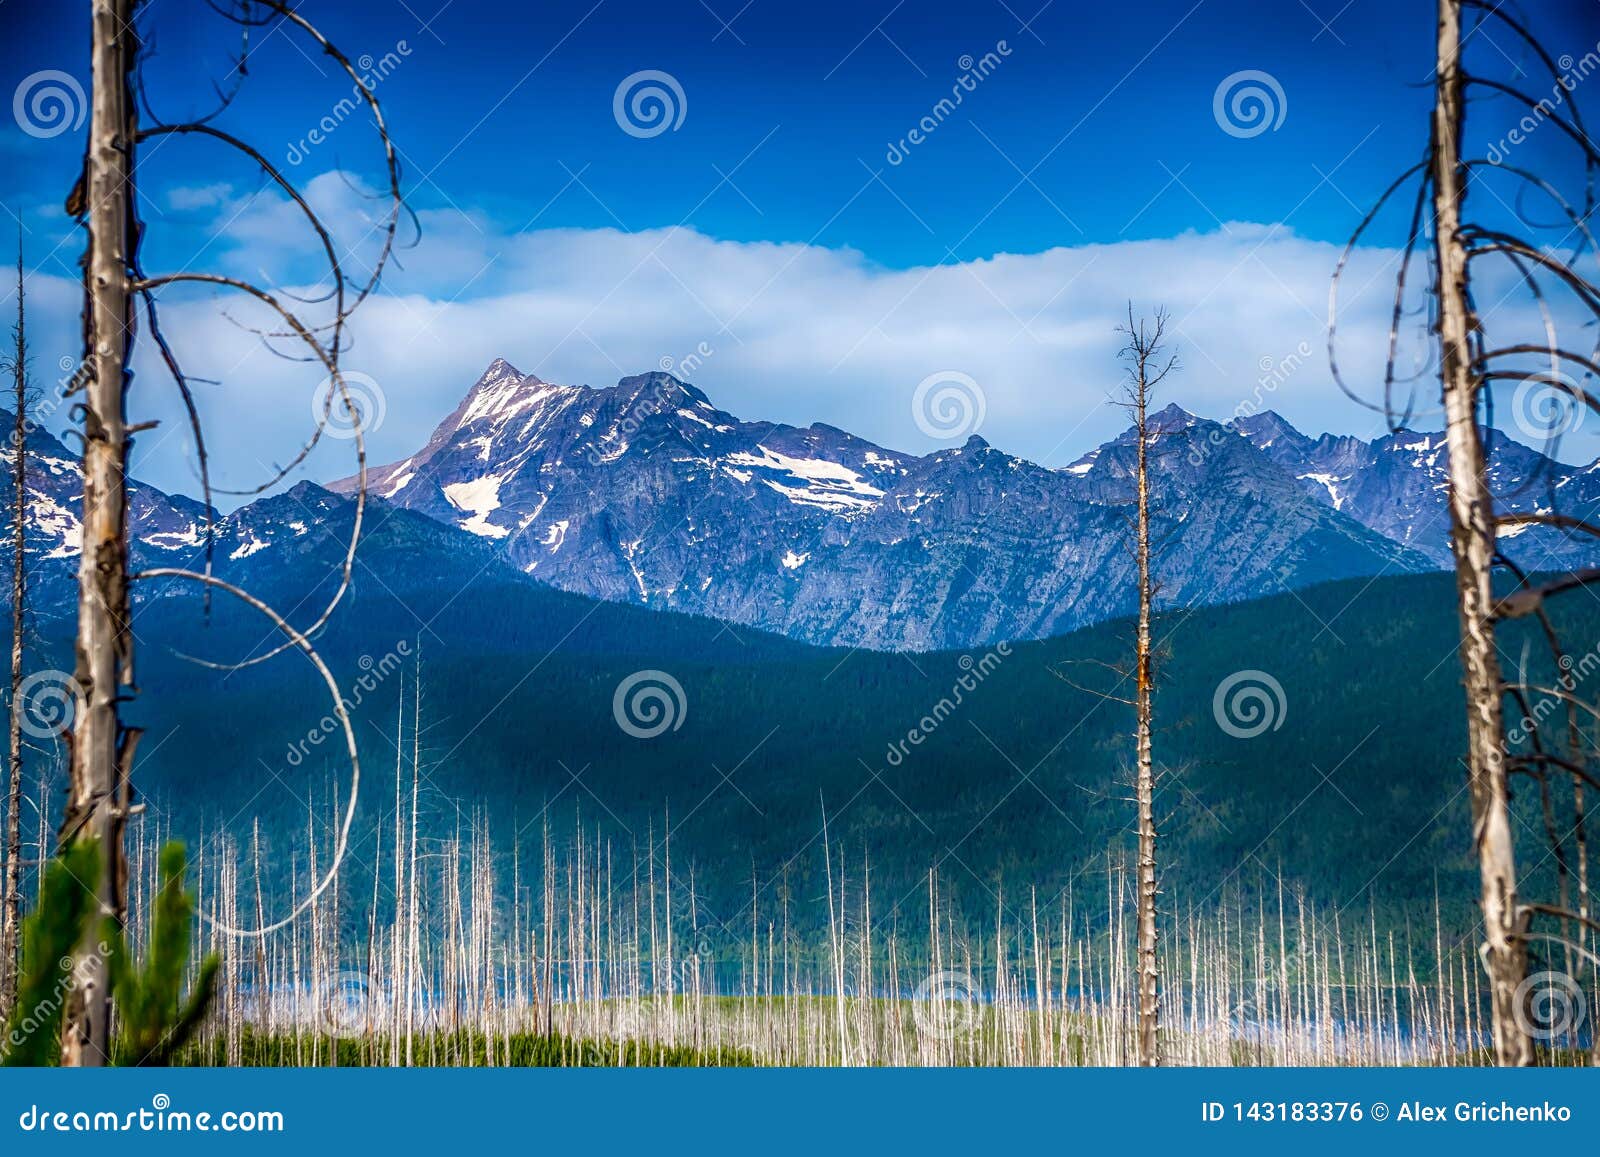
647	493
520	678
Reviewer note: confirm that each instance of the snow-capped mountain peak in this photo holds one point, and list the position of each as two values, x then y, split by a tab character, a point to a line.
647	492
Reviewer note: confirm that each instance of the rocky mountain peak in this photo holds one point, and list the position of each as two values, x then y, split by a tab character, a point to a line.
1170	418
645	492
1266	428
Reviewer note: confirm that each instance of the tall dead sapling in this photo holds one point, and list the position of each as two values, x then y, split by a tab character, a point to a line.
100	798
1492	587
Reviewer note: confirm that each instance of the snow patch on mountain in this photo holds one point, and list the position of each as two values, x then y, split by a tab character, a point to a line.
247	548
808	481
1329	482
400	483
480	498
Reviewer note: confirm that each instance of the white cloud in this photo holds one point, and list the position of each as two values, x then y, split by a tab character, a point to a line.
797	333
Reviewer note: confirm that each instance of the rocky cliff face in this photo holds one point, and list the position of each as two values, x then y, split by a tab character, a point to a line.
166	529
1397	485
646	492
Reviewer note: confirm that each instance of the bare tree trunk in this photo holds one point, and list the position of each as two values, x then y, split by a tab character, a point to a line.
12	898
1147	367
102	750
1149	994
1472	542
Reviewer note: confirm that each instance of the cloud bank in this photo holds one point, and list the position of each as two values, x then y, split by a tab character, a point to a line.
782	331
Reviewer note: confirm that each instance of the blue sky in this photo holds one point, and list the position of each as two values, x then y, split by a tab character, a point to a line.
1101	105
1088	166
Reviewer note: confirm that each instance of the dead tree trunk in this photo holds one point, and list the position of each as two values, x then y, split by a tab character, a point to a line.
11	900
1146	369
102	749
1149	997
1472	542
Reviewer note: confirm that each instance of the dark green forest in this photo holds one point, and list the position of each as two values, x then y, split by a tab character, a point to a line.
1355	799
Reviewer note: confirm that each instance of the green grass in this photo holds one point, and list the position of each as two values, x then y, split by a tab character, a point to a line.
461	1048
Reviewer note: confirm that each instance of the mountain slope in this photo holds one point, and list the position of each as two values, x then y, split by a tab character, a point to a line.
646	492
1356	790
1398	486
165	529
412	578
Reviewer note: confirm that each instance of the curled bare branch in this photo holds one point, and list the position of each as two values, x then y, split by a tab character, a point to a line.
299	641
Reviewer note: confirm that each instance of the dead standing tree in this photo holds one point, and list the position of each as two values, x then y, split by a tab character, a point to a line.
1470	368
1472	544
1148	366
11	890
102	749
100	796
